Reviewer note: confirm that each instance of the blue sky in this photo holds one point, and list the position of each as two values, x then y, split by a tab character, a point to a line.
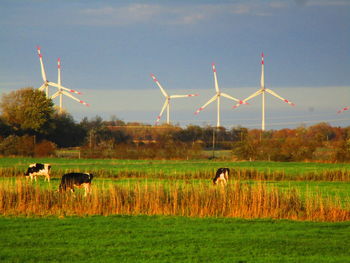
109	49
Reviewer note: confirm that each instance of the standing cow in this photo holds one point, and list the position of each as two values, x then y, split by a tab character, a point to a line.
37	169
78	180
221	176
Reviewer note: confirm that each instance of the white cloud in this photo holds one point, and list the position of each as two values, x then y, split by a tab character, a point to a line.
176	14
278	4
134	13
189	19
323	2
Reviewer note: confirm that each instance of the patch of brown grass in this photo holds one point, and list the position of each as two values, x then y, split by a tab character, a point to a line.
22	198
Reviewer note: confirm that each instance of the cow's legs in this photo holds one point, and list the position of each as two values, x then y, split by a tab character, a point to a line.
87	189
47	177
226	176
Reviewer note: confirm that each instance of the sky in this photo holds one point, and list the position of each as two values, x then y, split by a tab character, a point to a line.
108	50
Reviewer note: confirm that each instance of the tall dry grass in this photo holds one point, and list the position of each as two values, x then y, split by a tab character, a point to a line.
21	198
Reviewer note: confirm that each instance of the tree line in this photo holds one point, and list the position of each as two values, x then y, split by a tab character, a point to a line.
31	126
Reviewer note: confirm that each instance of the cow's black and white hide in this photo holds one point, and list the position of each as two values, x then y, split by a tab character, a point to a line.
70	181
37	169
221	176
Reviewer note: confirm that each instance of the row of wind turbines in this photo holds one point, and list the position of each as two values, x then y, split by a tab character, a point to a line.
61	90
218	95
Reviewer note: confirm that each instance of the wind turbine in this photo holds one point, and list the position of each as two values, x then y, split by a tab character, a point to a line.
62	90
262	91
167	100
217	97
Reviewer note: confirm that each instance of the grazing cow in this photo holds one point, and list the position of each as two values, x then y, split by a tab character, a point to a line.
36	169
221	176
79	180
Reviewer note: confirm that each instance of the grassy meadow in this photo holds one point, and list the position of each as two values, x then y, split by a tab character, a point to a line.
169	211
171	239
173	169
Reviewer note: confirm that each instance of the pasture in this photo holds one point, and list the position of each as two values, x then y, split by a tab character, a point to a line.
264	190
172	169
171	239
168	211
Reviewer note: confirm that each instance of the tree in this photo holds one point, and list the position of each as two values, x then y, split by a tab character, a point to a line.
27	110
321	132
5	130
17	145
191	134
65	132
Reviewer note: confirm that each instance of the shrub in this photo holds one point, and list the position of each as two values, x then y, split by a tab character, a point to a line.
16	145
44	148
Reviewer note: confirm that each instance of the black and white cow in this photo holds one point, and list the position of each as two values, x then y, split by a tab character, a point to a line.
221	176
36	169
79	180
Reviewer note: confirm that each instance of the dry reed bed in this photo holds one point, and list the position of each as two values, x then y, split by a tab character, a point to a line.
239	174
21	198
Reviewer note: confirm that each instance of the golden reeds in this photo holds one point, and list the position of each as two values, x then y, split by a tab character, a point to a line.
22	198
236	173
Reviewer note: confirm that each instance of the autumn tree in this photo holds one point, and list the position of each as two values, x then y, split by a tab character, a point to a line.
27	111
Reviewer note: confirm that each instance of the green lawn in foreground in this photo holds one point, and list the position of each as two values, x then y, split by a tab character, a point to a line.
171	239
168	166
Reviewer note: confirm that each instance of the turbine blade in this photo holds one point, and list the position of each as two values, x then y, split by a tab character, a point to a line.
253	95
53	84
160	86
43	74
161	112
206	104
343	109
182	96
229	97
248	98
59	71
74	98
55	95
262	80
279	97
215	78
42	87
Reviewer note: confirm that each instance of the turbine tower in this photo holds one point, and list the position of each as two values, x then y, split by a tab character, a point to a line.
63	91
217	96
262	91
167	100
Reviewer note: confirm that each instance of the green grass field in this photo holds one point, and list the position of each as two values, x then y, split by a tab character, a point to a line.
171	239
169	166
175	239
